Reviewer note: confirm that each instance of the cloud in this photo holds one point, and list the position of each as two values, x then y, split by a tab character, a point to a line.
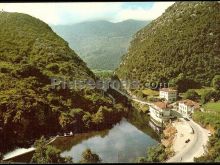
64	13
142	14
69	13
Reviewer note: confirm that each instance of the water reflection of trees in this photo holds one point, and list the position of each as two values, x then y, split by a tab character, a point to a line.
141	121
66	143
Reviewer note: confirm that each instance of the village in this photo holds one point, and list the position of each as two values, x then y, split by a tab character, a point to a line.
186	138
164	110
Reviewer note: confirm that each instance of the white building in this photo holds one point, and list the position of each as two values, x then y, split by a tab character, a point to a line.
160	111
168	94
187	107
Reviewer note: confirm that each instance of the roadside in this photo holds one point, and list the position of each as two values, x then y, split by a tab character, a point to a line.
186	143
189	141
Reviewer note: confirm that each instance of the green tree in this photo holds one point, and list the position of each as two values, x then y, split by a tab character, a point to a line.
89	157
98	118
156	154
47	154
216	82
141	160
192	95
208	95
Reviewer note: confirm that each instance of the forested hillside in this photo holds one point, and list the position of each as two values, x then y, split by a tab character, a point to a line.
181	47
30	55
100	43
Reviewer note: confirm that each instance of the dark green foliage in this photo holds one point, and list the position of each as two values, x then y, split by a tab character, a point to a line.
192	95
209	95
47	154
30	55
216	82
155	154
89	157
181	46
141	160
100	43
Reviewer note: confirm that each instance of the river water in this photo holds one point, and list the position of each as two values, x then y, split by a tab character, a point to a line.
124	142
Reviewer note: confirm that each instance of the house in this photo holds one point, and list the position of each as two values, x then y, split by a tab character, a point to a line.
160	111
168	94
187	107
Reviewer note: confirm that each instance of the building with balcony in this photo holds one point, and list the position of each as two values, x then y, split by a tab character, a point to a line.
160	111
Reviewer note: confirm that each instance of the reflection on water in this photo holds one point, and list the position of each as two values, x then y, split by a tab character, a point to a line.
123	143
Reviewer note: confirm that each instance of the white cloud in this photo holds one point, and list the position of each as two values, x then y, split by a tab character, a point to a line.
142	14
68	13
64	13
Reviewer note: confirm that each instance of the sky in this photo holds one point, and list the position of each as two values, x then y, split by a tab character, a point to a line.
75	12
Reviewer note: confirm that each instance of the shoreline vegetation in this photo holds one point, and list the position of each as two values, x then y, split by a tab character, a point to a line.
180	48
163	151
209	119
28	102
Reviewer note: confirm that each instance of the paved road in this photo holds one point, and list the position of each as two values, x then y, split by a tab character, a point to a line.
142	102
195	146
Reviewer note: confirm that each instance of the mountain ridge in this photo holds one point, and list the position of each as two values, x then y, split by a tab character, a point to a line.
100	43
180	44
31	105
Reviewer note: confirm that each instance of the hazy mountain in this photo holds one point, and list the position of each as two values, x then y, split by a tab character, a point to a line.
100	43
182	44
30	55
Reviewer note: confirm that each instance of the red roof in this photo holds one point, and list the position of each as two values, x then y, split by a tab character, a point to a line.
190	103
162	105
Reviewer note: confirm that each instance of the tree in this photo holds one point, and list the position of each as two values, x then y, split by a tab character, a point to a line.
98	118
208	95
216	82
89	157
47	154
156	154
192	95
218	133
141	160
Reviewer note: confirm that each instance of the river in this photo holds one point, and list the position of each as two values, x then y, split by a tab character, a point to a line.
123	143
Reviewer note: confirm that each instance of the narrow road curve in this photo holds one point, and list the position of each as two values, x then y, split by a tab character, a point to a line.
195	147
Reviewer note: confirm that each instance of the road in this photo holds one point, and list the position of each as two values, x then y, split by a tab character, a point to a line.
195	147
130	96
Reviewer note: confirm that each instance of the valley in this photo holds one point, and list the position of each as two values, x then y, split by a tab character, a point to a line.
100	44
104	91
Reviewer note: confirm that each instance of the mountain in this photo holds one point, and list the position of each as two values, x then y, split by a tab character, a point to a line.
30	106
180	47
100	43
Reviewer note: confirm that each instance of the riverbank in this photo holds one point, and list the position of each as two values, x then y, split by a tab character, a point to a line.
168	138
127	130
